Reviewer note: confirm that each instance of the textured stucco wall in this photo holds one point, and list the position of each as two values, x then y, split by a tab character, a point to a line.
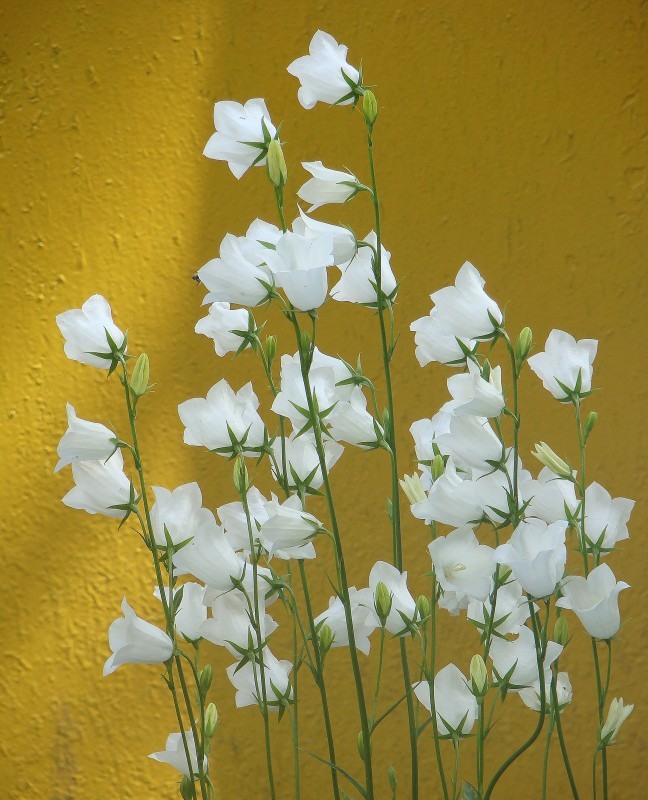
512	134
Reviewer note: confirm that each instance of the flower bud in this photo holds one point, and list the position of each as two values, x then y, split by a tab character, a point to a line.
523	344
369	107
561	631
546	456
276	162
240	476
271	348
438	467
617	715
391	775
211	720
382	602
140	377
413	488
478	676
186	788
206	674
422	607
325	638
361	746
590	422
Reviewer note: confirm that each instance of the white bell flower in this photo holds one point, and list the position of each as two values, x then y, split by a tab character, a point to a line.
327	185
530	696
180	511
98	486
565	361
536	554
302	460
606	517
344	241
238	274
299	267
245	680
594	600
403	605
135	641
84	330
363	618
351	422
288	531
476	396
519	656
510	613
355	285
175	755
454	702
83	441
191	612
230	625
321	73
462	564
548	496
218	325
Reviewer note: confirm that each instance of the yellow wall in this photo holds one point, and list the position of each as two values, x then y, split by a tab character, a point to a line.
510	134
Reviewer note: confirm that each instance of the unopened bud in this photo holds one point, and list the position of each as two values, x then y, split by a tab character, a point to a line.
523	344
438	467
271	348
391	775
361	746
325	638
140	377
240	476
211	720
382	602
422	607
546	456
413	488
186	788
590	422
478	676
369	107
561	631
206	674
276	162
617	715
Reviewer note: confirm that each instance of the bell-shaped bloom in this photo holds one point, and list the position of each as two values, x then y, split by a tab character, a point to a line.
322	73
363	618
238	129
536	554
299	268
238	274
493	487
510	613
302	461
455	704
219	325
426	432
176	756
234	519
565	361
530	696
191	612
453	602
327	185
84	441
358	282
594	600
84	330
450	500
344	241
351	422
210	421
548	496
465	309
288	531
324	376
99	485
230	625
403	607
247	678
180	511
617	715
518	657
135	641
476	396
471	442
462	564
435	343
606	519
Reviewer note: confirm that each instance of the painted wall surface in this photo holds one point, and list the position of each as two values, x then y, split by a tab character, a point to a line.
511	134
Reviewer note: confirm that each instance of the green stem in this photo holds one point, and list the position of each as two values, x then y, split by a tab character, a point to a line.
433	641
455	771
379	674
294	717
545	760
480	745
561	738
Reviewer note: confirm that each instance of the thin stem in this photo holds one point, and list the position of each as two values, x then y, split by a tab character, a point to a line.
433	641
561	738
455	771
379	674
480	745
294	717
545	760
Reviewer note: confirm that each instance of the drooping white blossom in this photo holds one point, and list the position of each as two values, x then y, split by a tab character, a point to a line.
519	658
230	625
83	441
191	613
536	554
351	422
288	530
302	460
235	523
530	695
276	680
509	615
219	324
475	395
135	641
175	755
363	617
238	274
327	185
462	564
403	607
618	713
471	442
455	704
451	500
180	511
86	331
344	241
98	486
321	73
565	361
238	128
606	519
358	283
548	496
299	265
594	600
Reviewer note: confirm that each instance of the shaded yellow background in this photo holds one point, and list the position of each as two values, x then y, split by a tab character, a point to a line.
511	134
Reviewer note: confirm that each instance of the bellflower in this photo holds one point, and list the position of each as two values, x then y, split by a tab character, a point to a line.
450	500
234	519
322	73
84	441
476	396
363	618
435	343
288	531
358	282
135	641
471	442
302	460
99	485
426	432
463	565
594	600
530	695
548	496
180	511
220	323
209	421
403	605
519	656
230	624
86	331
238	274
191	612
617	715
174	754
327	185
245	681
351	422
465	309
565	361
605	519
536	554
299	267
455	704
510	613
344	241
239	128
453	602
